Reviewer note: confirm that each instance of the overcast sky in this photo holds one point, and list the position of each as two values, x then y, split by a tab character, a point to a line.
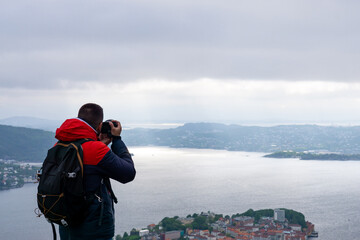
182	61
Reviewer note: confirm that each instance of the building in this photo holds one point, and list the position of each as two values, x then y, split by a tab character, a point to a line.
151	226
172	235
243	221
186	220
143	232
295	227
279	215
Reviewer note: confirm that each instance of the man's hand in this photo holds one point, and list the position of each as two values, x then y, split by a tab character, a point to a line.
115	131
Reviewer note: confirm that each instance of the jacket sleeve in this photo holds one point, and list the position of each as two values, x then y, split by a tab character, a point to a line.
117	163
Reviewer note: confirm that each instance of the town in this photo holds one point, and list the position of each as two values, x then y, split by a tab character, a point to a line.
14	174
211	226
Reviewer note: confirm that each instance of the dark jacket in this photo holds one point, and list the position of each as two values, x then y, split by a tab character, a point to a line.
100	162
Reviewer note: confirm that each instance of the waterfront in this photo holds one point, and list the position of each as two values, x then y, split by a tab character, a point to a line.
179	182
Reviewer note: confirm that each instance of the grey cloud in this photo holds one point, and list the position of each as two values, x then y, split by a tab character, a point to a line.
43	42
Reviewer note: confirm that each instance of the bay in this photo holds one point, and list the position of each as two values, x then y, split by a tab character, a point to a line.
177	182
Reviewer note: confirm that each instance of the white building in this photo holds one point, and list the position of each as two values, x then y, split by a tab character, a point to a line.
143	232
279	215
295	227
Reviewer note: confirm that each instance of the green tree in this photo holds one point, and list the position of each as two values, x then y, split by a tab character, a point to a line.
170	224
295	217
200	222
217	217
134	232
134	235
257	214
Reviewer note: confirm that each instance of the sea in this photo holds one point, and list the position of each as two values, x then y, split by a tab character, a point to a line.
177	182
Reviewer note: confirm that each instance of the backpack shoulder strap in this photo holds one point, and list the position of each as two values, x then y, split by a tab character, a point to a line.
77	145
106	180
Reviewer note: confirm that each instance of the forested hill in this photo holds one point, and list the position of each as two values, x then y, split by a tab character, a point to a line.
256	139
24	144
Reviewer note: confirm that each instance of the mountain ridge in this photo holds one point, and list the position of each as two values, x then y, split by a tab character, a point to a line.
251	138
31	122
26	144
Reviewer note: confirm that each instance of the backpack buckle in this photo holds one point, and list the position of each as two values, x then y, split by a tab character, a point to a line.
64	223
99	198
72	175
38	175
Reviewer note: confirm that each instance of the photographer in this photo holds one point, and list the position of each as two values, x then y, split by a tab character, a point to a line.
100	164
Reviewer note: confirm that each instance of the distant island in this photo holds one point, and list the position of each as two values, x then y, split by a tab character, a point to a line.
261	224
315	156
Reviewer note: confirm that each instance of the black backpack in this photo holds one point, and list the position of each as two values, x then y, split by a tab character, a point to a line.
61	196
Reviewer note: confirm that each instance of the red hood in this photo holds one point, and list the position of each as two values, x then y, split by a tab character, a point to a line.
73	129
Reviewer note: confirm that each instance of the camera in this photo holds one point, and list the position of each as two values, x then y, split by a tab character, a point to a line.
106	129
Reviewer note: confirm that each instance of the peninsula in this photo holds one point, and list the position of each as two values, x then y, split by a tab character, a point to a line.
14	174
263	224
315	156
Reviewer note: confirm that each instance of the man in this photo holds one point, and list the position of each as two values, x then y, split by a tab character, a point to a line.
100	164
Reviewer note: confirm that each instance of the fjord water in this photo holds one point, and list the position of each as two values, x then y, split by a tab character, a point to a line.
177	182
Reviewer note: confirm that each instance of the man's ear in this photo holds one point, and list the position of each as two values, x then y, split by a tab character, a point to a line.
98	129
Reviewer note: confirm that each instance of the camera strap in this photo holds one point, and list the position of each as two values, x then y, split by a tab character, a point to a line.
109	188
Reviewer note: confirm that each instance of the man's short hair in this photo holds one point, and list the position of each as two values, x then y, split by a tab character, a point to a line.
92	114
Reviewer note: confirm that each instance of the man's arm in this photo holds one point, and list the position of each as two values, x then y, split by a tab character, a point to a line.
118	164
